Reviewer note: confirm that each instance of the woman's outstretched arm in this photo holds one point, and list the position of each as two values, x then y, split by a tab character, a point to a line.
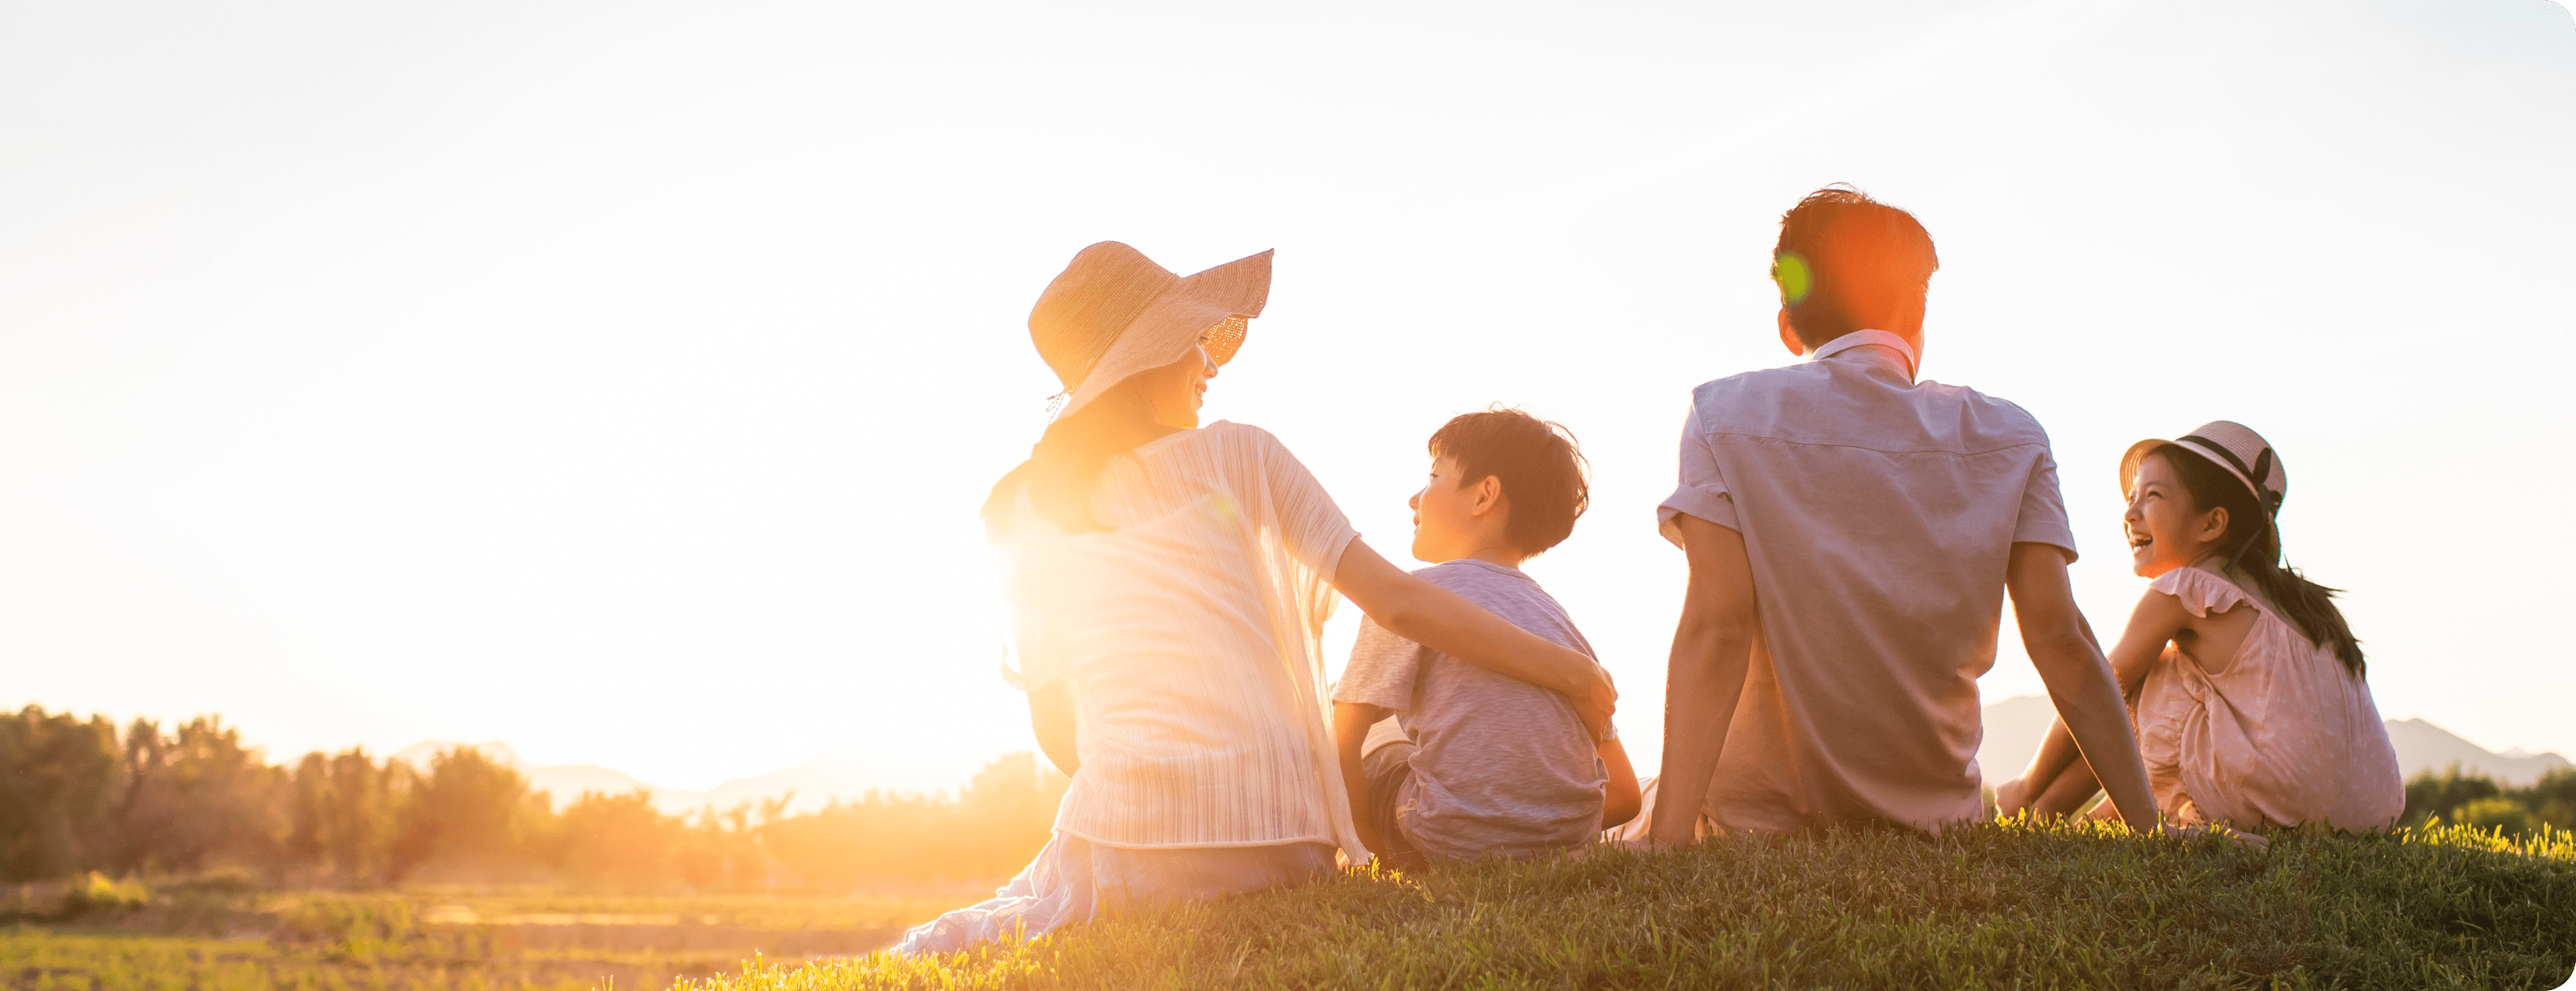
1437	618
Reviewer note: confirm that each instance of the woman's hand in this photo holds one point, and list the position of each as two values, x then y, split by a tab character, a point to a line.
1437	618
1600	702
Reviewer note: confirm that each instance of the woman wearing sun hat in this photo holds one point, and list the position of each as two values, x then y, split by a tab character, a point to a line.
1167	584
2257	715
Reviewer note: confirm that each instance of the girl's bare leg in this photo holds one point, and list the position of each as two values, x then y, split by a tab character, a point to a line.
2068	793
2056	759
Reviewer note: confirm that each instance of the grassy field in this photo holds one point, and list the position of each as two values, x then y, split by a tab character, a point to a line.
1997	906
441	940
1992	906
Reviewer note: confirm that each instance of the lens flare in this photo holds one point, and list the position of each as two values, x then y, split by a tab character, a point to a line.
1791	272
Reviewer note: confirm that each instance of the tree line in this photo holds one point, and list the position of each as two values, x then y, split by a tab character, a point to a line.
80	796
2477	800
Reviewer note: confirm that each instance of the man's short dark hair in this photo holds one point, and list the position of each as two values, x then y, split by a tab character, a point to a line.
1845	260
1541	468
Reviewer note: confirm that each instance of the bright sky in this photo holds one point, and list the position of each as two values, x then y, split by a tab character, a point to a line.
621	380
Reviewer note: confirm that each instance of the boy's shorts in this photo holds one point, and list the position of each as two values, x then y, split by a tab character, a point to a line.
1388	768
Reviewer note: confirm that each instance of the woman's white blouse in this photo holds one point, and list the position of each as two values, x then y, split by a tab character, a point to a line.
1191	633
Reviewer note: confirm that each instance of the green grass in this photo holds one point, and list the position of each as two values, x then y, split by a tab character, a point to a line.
439	939
42	960
1990	906
775	912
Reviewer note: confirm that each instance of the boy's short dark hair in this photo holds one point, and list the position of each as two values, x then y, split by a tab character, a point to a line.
1541	468
1845	259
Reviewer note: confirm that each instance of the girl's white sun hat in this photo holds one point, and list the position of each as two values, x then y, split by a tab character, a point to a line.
1114	313
2229	445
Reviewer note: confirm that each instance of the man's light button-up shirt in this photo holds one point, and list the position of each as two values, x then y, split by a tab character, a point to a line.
1878	514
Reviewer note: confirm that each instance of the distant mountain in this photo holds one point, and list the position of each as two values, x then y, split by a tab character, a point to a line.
2422	746
2015	726
812	784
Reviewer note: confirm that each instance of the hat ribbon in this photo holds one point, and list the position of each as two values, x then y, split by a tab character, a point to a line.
2254	476
2262	470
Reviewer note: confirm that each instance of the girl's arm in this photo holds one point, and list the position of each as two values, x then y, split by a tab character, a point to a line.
2158	619
1437	618
1620	800
1051	716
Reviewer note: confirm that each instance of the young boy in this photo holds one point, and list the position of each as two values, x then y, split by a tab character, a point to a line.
1484	765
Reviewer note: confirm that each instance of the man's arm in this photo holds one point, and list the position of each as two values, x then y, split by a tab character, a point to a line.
1712	650
2079	679
1351	722
2044	786
1051	716
1437	618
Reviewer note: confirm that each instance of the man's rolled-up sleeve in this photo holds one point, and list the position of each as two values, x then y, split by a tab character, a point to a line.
1702	491
2043	510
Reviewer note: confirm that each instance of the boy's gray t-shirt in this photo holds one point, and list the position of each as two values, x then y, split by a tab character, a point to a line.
1501	767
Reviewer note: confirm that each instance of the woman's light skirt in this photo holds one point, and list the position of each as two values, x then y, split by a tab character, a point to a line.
1075	880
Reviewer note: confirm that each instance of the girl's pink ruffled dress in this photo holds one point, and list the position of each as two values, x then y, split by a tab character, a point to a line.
2282	735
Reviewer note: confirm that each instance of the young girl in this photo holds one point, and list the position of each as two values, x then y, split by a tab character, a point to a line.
2245	682
1167	583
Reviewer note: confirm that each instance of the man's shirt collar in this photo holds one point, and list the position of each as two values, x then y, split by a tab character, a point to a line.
1904	352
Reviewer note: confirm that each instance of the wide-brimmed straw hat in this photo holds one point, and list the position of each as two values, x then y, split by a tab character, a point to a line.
1114	313
2230	445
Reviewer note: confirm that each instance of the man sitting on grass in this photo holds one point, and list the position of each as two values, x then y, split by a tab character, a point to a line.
1851	533
1478	764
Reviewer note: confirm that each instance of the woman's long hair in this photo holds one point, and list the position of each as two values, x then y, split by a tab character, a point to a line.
2253	544
1063	468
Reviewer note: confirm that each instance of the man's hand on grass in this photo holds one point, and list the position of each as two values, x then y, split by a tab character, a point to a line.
2012	798
2244	840
1641	844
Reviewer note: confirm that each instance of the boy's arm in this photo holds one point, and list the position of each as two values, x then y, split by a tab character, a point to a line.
2079	679
1051	717
1620	799
1351	722
1439	619
1712	650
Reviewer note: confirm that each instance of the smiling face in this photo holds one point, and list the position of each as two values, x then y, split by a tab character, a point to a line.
1175	391
2167	529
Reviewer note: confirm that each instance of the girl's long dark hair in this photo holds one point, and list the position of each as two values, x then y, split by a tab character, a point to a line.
2254	543
1063	469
